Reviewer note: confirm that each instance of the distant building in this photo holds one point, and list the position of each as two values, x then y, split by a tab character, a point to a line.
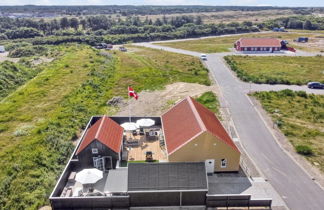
252	45
2	49
188	127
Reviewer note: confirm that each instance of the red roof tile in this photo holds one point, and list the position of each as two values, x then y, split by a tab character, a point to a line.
259	42
186	120
105	130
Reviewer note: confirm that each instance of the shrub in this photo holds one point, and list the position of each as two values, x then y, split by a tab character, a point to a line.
304	150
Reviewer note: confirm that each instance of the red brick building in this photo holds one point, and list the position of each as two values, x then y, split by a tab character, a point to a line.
258	45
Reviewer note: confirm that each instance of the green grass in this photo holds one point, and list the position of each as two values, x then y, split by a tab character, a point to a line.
300	117
278	69
221	44
12	75
145	68
210	101
39	120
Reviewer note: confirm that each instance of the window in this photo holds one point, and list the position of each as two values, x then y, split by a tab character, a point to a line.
223	163
94	151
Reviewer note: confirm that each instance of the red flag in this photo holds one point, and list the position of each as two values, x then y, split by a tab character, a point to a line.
132	93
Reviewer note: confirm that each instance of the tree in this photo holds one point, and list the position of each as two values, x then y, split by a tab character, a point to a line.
158	22
83	22
64	22
198	20
164	20
74	23
307	25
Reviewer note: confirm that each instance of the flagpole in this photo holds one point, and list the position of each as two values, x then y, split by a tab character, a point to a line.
129	102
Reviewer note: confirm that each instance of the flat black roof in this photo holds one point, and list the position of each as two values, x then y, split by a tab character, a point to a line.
167	176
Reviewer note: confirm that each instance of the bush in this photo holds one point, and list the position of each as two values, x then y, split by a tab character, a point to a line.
28	51
209	100
304	150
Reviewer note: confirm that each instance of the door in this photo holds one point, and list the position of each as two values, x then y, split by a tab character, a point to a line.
98	163
210	166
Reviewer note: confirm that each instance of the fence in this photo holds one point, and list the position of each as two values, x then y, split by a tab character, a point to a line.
236	201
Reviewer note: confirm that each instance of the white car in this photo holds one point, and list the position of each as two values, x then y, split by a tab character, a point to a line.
203	57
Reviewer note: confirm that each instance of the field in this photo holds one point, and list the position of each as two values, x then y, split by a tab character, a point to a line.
277	69
230	16
41	119
222	44
300	117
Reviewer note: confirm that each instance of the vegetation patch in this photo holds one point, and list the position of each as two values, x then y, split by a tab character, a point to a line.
12	75
277	69
300	117
210	101
28	51
150	69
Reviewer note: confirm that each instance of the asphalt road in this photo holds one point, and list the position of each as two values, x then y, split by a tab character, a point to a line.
295	186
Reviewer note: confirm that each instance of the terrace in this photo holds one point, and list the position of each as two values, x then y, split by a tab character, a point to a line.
137	143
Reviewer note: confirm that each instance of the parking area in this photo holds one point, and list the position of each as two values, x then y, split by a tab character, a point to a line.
239	183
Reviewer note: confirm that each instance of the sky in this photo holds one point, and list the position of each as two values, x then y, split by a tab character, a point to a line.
290	3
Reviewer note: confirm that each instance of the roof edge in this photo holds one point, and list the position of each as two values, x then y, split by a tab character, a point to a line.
100	126
196	114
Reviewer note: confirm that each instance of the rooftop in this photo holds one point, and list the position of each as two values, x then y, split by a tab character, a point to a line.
188	119
105	130
167	176
260	42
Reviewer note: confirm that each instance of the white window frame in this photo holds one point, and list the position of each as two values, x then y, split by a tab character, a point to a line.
94	150
224	160
94	159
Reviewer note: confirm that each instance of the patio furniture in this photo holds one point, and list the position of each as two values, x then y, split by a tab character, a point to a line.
145	122
129	126
88	177
68	192
77	192
72	176
141	132
132	143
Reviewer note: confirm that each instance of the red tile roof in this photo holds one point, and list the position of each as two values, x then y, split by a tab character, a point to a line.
259	42
105	130
186	120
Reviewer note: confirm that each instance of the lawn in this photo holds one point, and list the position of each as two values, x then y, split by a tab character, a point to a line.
278	69
223	43
300	117
40	119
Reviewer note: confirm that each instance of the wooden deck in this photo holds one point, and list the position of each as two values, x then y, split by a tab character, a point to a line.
137	153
